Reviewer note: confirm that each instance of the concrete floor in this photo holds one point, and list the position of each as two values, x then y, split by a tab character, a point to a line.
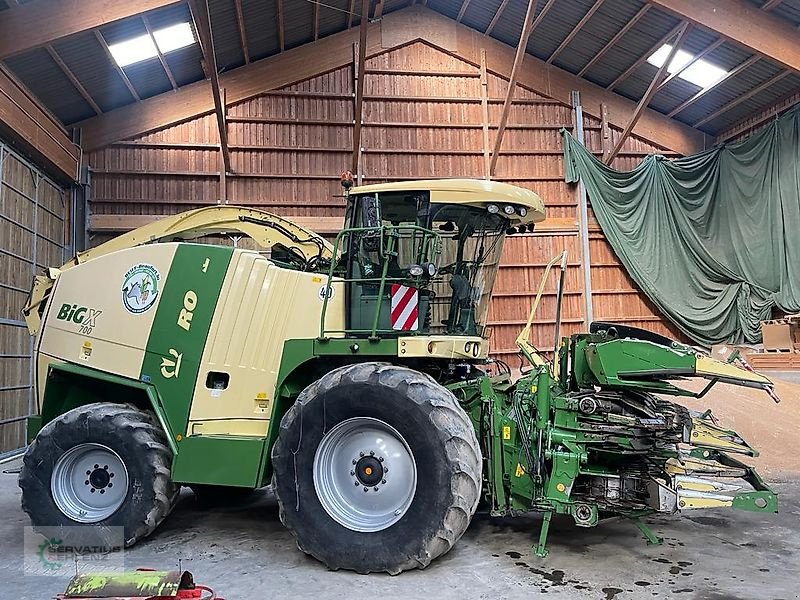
244	552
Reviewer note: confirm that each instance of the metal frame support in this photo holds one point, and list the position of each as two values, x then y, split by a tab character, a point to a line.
583	215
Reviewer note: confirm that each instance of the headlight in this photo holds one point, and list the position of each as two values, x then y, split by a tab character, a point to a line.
415	270
493	209
508	209
522	211
430	269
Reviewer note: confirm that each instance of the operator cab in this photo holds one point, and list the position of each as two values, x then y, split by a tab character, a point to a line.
421	257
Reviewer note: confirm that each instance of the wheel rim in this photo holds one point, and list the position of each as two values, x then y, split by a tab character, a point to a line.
364	474
89	483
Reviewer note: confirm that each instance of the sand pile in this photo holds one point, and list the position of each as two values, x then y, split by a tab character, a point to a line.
772	429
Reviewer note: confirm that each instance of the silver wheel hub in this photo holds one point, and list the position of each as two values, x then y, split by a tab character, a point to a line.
89	483
364	474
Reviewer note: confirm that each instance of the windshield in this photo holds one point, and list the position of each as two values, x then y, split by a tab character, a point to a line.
472	241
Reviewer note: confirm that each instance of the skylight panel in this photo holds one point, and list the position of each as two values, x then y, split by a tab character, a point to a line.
174	37
146	46
701	73
133	50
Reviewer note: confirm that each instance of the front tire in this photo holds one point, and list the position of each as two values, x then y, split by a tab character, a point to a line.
376	468
102	464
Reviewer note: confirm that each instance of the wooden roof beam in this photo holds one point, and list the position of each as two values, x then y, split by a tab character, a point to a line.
281	29
119	69
242	31
625	29
462	10
734	71
202	16
361	68
643	58
350	12
770	4
702	54
496	17
74	80
739	99
575	30
648	95
315	20
529	25
39	23
747	25
161	58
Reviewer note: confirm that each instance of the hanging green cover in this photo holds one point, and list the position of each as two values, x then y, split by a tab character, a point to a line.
713	239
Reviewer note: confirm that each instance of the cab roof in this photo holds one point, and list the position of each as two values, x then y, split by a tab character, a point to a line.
476	192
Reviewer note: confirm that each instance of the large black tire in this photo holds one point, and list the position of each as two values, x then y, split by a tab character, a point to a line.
139	442
438	433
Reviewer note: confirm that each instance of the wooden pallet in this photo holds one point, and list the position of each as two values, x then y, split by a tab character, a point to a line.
785	361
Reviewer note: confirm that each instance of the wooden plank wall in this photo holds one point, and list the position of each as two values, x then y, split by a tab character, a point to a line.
31	236
422	117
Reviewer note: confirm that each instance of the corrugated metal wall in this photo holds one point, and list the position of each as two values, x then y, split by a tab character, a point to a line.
423	118
32	236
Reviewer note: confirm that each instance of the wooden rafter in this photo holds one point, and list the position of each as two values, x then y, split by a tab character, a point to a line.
747	25
783	104
496	17
202	17
37	24
651	91
529	25
350	11
361	67
736	70
625	29
770	4
119	69
643	58
242	31
462	10
279	19
315	19
378	12
739	99
575	30
702	54
74	80
161	58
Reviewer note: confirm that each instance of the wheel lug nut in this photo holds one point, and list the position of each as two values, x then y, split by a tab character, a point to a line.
383	481
92	490
375	488
86	482
361	453
110	484
102	491
105	467
371	453
88	472
356	484
352	472
97	466
366	489
380	458
111	474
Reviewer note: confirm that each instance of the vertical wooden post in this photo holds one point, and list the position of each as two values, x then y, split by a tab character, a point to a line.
223	173
605	131
359	65
583	217
487	174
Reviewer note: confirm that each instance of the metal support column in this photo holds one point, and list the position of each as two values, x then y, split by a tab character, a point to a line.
583	216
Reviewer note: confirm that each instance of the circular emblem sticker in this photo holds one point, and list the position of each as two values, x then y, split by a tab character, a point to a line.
140	288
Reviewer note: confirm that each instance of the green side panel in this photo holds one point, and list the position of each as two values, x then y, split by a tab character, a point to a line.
172	358
34	424
219	460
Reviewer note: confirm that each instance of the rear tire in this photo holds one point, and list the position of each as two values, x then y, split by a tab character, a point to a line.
68	452
423	443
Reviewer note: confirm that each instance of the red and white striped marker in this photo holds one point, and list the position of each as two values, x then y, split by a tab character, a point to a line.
405	308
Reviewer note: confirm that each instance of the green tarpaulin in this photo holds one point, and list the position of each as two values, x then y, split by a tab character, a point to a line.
713	239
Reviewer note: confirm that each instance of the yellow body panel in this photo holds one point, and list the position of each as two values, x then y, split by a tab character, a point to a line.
711	367
115	340
260	306
442	346
476	192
